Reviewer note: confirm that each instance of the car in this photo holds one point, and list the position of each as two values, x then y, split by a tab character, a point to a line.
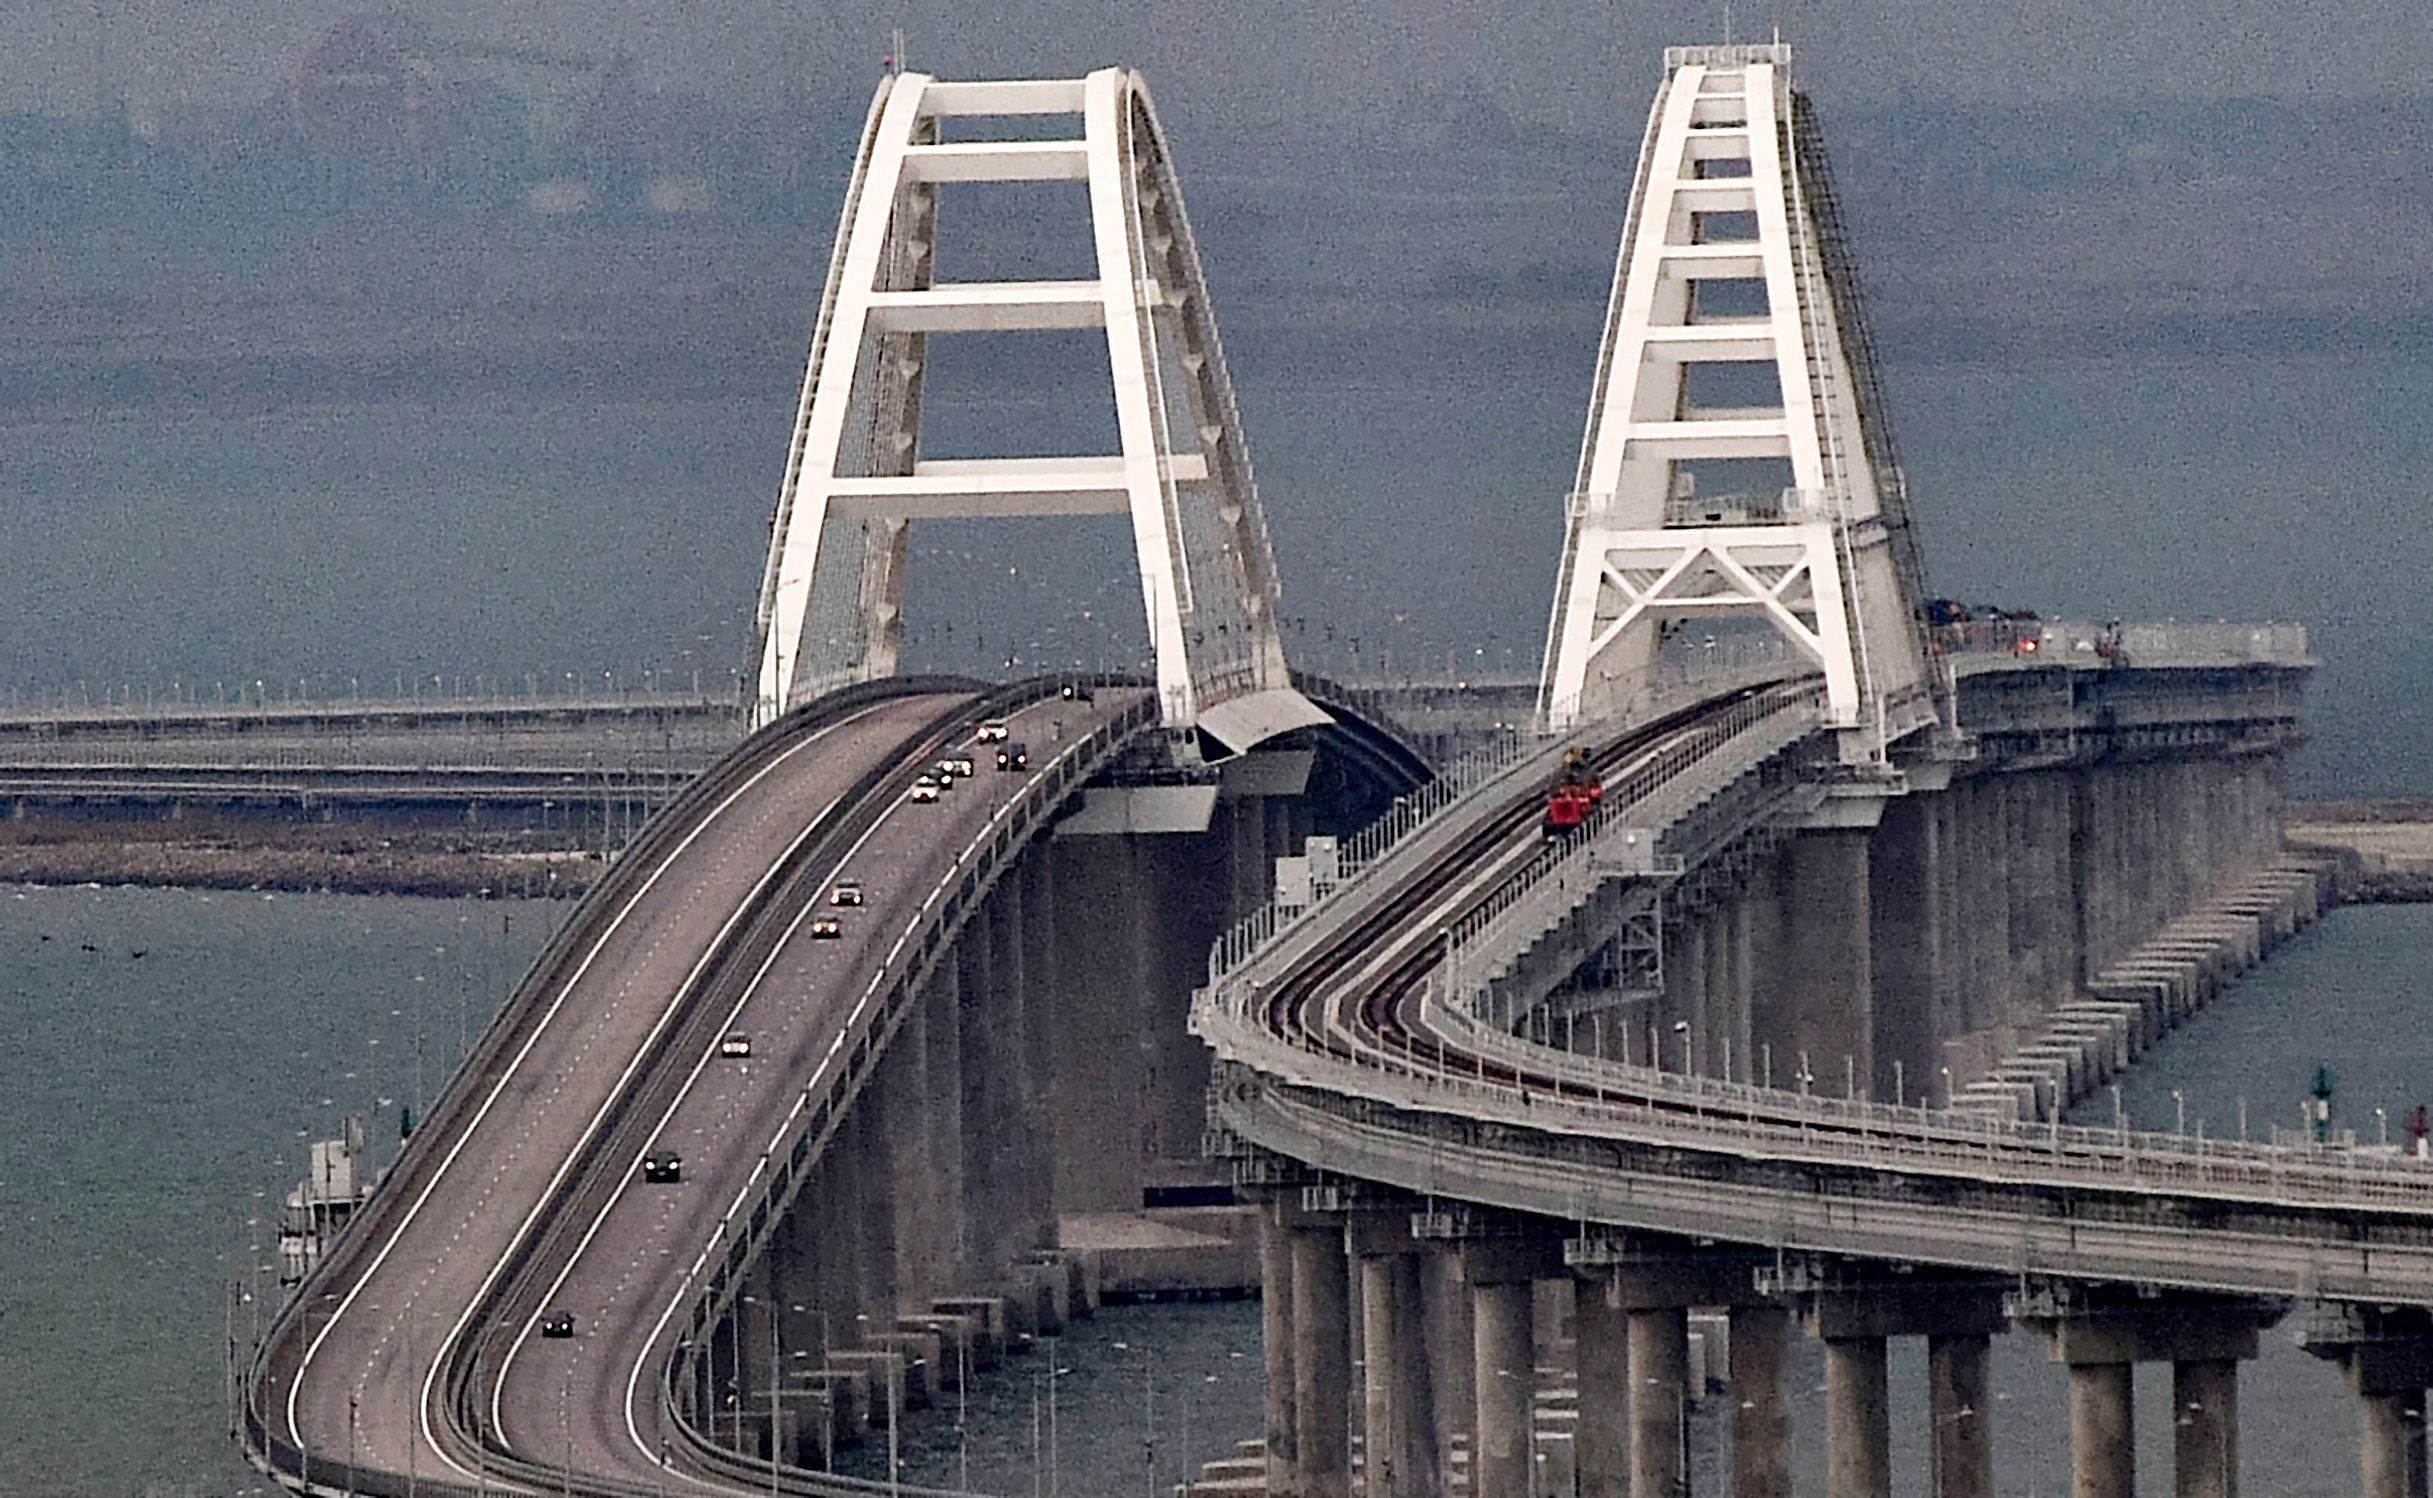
559	1324
924	789
1014	757
736	1045
954	765
1076	691
662	1166
992	731
847	892
827	928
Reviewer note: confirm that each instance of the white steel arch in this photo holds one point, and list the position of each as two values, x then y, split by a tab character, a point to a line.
1732	256
832	596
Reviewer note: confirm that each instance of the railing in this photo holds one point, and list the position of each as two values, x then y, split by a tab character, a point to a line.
2083	642
713	1276
1643	804
1734	56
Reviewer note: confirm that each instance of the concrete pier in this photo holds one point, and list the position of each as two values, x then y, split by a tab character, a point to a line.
1960	1404
2103	1431
1505	1367
2205	1428
1322	1354
1397	1402
1601	1330
1858	1419
2391	1444
1761	1420
1277	1341
1660	1397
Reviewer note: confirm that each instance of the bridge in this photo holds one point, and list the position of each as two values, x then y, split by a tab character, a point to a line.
772	1143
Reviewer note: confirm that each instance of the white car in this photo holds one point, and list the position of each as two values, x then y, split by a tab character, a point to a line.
992	732
924	789
954	765
735	1046
847	892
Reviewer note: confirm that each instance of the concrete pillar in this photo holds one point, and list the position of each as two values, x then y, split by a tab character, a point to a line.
1021	1161
1906	867
1505	1367
2103	1447
1096	1086
1960	1402
1858	1419
2205	1428
1761	1420
1826	995
1184	881
1602	1334
903	1082
1659	1402
1322	1354
978	1073
1276	1332
1452	1353
1394	1369
1043	1030
2391	1445
944	1111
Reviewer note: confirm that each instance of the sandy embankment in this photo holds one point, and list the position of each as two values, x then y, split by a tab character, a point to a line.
2391	840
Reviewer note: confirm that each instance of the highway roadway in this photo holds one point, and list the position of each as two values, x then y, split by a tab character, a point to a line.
522	1196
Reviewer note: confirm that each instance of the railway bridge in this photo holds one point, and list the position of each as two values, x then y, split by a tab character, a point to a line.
1784	1028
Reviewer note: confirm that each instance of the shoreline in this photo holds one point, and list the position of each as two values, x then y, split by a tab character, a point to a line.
387	862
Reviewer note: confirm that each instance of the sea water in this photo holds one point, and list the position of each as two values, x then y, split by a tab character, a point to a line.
155	1108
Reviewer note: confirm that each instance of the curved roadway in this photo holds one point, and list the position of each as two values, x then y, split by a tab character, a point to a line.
522	1196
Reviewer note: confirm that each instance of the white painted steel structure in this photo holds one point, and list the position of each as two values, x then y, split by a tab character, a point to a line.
831	604
1733	335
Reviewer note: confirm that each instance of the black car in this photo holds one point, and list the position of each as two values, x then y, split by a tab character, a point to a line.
1014	757
559	1325
1077	691
662	1166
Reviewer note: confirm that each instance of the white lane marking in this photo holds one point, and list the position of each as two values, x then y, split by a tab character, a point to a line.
499	1385
633	1380
423	1415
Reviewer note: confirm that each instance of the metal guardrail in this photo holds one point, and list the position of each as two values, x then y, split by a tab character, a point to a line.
1473	774
2152	644
712	1279
1637	809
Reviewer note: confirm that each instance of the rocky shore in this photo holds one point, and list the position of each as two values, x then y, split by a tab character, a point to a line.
2385	844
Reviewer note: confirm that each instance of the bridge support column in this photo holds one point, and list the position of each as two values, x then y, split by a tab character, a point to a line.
1858	1419
1761	1421
2103	1444
2205	1434
1322	1355
1397	1402
1960	1398
1502	1271
2102	1339
1601	1329
944	1111
1276	1337
2387	1357
1853	1308
1102	991
1823	992
2391	1444
1659	1402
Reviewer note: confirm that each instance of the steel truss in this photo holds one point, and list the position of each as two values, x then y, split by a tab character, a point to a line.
831	604
1730	201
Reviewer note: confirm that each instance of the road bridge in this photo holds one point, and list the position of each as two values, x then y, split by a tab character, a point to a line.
1835	835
